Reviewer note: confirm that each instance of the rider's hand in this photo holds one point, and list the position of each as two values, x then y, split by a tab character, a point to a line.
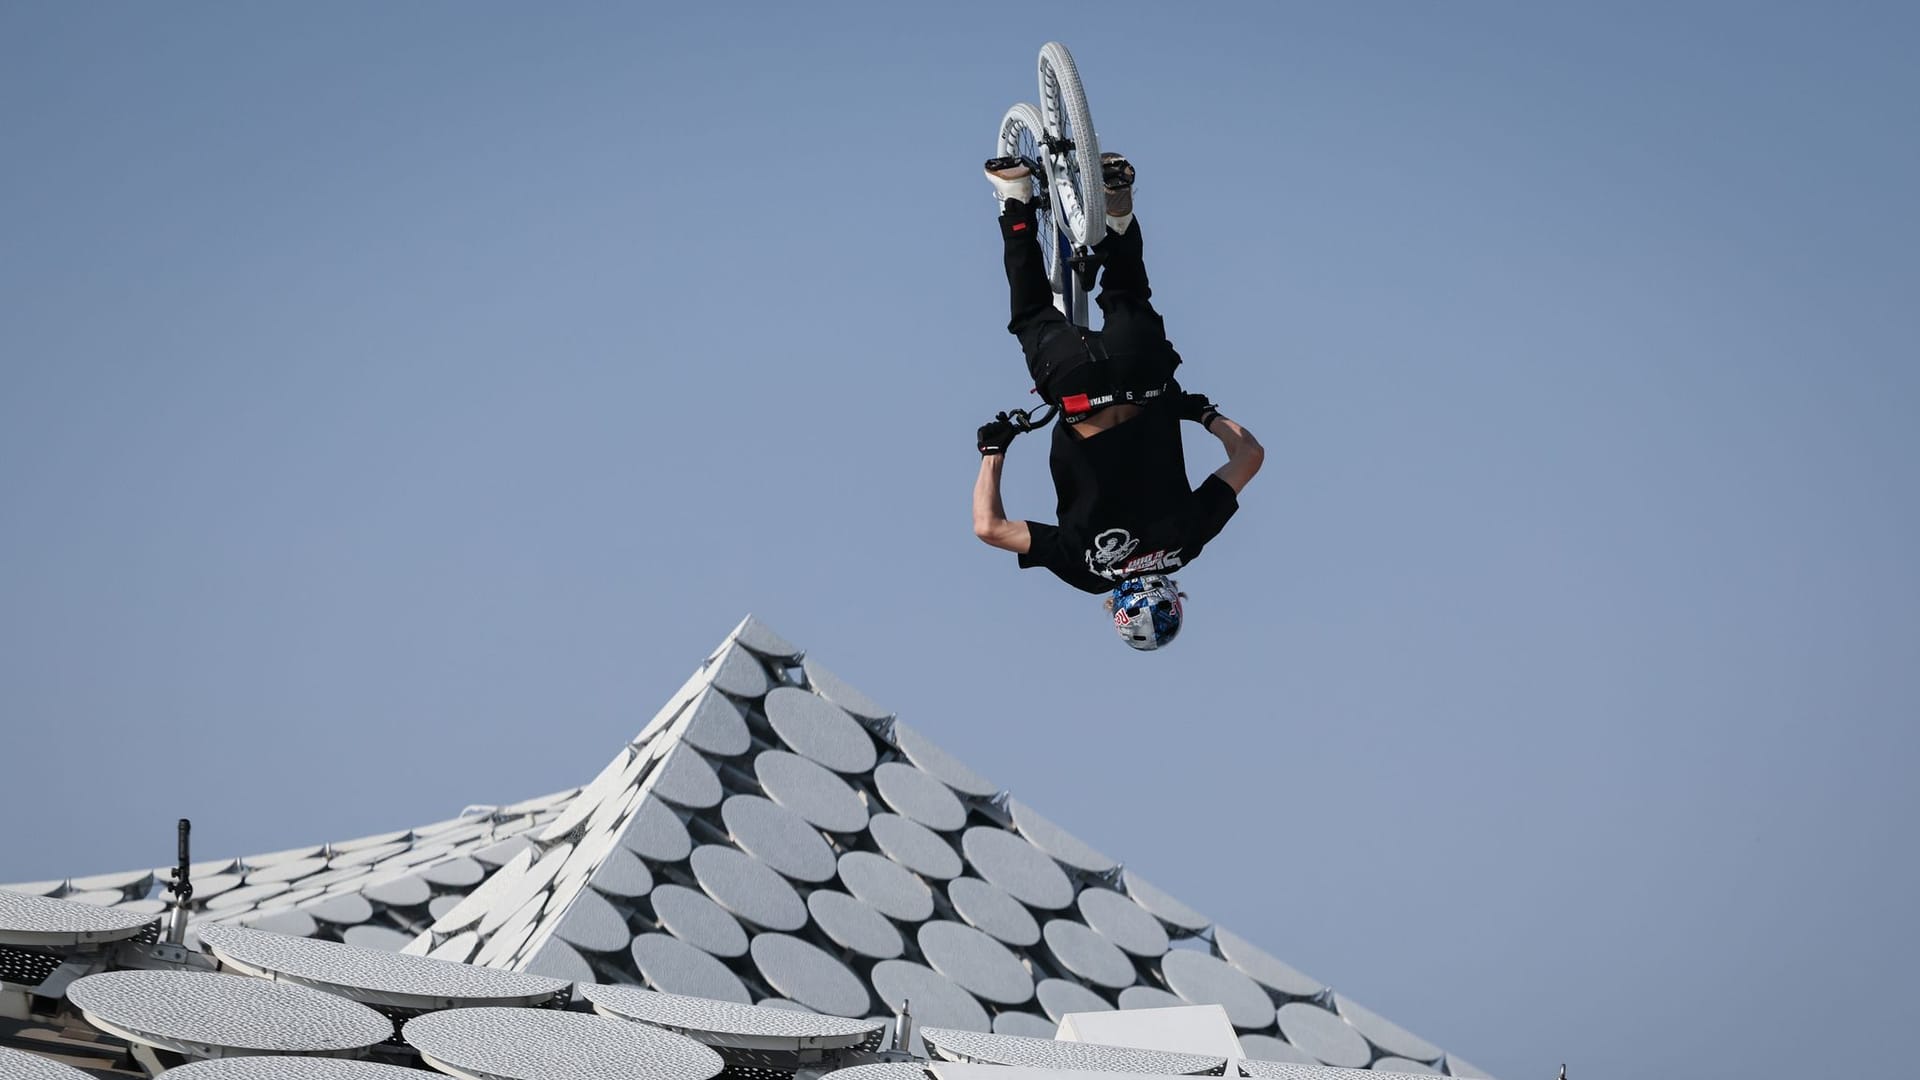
995	435
1197	408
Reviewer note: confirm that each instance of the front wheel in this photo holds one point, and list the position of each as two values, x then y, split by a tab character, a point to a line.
1022	135
1073	159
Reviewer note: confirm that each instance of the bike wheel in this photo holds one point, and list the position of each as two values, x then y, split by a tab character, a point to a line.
1022	135
1073	165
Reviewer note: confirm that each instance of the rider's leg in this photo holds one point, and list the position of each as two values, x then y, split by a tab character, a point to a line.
1056	356
1135	335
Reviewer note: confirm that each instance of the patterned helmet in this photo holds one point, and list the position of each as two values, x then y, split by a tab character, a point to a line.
1146	610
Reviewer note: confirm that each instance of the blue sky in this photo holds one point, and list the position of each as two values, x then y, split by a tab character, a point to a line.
397	402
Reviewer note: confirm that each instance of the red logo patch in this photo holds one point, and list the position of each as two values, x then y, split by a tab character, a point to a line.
1019	226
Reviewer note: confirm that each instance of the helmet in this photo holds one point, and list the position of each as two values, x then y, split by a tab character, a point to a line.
1146	610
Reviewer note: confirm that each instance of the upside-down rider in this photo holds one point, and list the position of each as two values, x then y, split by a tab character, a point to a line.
1127	515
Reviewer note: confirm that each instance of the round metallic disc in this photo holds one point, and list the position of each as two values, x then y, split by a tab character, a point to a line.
1024	1024
1168	910
915	847
476	905
675	967
622	874
990	908
936	999
656	833
343	909
1052	1056
247	896
1058	997
280	1067
1087	955
882	1070
291	870
501	852
459	872
748	887
271	857
915	794
698	921
1458	1066
405	890
379	979
290	922
1209	980
143	907
941	765
1057	841
439	907
754	635
593	924
778	837
1265	969
886	885
203	1014
740	673
96	897
1150	997
1266	1048
1026	872
1122	922
1328	1038
368	856
559	960
378	938
784	1026
854	925
810	790
976	962
808	975
1399	1066
525	890
538	1044
457	949
42	921
1384	1033
834	689
205	889
685	779
122	881
819	730
717	727
20	1065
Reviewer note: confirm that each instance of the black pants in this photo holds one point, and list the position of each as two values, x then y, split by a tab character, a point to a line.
1130	352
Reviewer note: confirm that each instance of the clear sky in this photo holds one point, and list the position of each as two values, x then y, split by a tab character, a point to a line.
398	400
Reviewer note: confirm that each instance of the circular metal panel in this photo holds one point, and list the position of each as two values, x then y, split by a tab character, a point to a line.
246	896
976	962
720	1023
290	922
622	874
778	837
915	794
1085	953
203	1014
673	966
404	891
748	887
20	1065
1023	1024
524	889
940	764
882	1070
560	960
834	689
698	921
1265	969
1399	1066
754	635
883	883
371	977
1123	922
1150	997
1208	980
457	949
1058	997
936	999
656	833
1047	1054
291	870
540	1044
39	920
377	938
685	779
806	974
1265	1048
740	673
459	872
1459	1066
1384	1033
810	790
1057	841
1017	866
467	914
1170	911
280	1067
819	730
1327	1037
854	924
717	727
593	924
915	846
205	889
992	909
344	909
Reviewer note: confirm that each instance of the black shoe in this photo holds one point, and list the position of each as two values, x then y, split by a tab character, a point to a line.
1116	175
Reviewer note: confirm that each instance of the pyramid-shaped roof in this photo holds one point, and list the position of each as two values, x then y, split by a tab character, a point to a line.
774	836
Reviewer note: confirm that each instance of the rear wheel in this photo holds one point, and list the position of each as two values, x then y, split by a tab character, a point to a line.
1023	136
1073	158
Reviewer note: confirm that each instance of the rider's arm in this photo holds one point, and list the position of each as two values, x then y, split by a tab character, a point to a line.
990	522
1244	453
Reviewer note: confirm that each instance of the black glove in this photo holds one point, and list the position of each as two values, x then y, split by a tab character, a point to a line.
996	434
1197	408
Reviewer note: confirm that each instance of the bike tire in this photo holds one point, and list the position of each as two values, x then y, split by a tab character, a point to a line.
1022	134
1079	199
